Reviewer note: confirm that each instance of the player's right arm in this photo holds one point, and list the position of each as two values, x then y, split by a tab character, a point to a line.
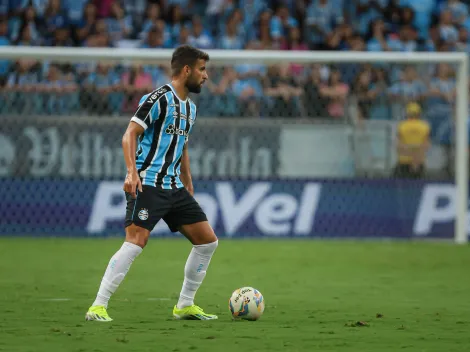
129	147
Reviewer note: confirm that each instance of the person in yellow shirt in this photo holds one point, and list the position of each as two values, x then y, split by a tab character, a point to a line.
413	144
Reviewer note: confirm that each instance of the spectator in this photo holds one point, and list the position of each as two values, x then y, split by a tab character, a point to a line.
28	20
252	10
263	33
219	98
363	94
248	86
231	39
458	10
380	109
440	97
407	16
463	42
237	17
392	16
448	33
336	92
88	23
38	5
4	64
338	39
119	26
54	18
136	82
100	36
217	12
153	14
294	42
315	105
154	39
135	9
284	92
188	7
433	41
61	38
70	89
104	90
368	11
51	90
377	37
321	18
183	37
22	87
412	145
176	21
280	23
423	11
76	9
408	89
104	7
405	42
199	37
26	37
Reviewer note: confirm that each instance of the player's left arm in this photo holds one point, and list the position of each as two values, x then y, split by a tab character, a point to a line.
186	171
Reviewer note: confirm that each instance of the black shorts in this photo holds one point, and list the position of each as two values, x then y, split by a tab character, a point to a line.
175	206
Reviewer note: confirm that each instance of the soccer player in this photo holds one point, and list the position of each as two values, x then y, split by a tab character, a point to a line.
158	184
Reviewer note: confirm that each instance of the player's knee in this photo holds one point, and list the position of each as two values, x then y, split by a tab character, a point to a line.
137	235
209	238
141	241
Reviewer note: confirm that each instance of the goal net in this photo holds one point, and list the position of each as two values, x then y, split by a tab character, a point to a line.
298	144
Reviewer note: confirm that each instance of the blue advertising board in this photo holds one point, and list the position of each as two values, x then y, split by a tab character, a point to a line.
277	208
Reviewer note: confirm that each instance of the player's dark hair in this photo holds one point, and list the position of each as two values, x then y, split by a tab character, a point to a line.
186	55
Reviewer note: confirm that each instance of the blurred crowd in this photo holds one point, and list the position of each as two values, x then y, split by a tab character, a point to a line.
344	92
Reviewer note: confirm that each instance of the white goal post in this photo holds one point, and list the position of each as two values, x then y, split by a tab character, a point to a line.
223	57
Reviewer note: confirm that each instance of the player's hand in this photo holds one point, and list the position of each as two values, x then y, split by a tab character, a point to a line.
132	183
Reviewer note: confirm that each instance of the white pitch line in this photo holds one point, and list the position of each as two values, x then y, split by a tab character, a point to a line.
56	299
117	299
157	299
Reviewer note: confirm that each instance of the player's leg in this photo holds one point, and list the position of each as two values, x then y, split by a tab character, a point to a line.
118	266
188	218
139	223
204	243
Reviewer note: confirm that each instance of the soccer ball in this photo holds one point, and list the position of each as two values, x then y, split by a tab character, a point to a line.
246	303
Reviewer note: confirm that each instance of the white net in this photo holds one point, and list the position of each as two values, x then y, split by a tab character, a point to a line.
342	121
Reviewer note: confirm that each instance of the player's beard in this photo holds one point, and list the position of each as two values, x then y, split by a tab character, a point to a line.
193	86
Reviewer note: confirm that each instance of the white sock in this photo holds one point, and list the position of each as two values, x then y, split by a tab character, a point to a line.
116	271
195	271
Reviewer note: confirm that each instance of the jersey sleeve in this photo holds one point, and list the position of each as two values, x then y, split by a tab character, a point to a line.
150	107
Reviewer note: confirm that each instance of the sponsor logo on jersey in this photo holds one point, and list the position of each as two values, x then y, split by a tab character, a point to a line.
157	94
171	129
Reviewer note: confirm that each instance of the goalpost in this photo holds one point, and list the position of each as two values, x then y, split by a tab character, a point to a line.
222	57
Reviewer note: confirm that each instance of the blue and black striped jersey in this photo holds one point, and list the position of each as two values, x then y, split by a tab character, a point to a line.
167	121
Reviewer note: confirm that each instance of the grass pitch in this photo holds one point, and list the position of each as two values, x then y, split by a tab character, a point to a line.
320	296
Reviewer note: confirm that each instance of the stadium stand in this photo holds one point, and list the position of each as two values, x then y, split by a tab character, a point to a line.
315	91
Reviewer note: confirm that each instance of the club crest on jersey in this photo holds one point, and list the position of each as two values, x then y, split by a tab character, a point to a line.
143	214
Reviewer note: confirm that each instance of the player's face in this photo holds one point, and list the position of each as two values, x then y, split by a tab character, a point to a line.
197	77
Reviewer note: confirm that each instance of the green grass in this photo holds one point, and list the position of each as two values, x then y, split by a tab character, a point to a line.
412	296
